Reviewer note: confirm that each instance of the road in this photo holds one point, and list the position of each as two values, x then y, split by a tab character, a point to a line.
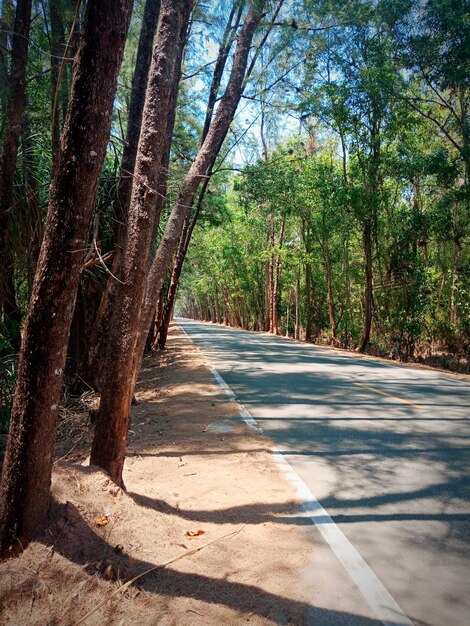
384	448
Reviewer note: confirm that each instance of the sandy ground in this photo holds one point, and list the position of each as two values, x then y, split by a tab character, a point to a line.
192	466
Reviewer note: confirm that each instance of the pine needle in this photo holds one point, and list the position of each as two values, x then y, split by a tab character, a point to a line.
124	586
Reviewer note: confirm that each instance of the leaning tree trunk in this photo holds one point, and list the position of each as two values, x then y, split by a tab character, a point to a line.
198	171
270	277
367	323
177	269
297	305
173	286
28	461
91	369
222	56
109	443
11	136
102	327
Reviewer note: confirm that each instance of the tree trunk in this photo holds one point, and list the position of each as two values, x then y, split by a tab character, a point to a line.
128	342
267	293
6	27
30	449
297	305
178	267
329	278
123	368
270	276
57	43
224	49
91	370
367	323
173	286
199	169
347	288
12	133
109	443
308	289
275	282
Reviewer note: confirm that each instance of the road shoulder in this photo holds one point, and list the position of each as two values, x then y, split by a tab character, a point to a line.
192	466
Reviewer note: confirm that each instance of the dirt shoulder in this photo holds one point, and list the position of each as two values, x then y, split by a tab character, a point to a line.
192	466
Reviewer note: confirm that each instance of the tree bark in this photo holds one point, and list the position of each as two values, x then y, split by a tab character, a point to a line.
28	461
367	323
11	136
109	443
6	26
199	169
275	281
329	278
129	329
308	281
347	288
270	276
91	370
222	56
297	305
57	43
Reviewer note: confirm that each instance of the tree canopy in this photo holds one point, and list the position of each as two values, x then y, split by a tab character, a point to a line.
297	167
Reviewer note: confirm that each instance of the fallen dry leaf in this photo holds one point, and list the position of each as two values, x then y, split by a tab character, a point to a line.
194	533
102	521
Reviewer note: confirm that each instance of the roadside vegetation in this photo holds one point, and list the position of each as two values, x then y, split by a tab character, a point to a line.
298	167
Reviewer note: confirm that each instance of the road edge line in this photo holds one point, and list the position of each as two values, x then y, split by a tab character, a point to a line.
382	603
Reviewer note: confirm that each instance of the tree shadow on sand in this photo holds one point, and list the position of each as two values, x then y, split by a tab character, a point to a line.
72	537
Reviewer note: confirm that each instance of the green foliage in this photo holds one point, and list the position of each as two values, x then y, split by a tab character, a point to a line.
8	370
384	143
360	111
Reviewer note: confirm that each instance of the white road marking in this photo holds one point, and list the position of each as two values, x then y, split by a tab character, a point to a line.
376	595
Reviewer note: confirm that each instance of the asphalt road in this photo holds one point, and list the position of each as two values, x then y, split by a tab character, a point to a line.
385	449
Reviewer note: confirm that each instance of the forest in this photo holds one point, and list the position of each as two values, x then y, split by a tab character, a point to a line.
299	167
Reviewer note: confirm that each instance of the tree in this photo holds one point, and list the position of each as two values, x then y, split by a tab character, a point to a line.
92	366
7	21
198	170
228	38
109	442
28	461
8	156
129	332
